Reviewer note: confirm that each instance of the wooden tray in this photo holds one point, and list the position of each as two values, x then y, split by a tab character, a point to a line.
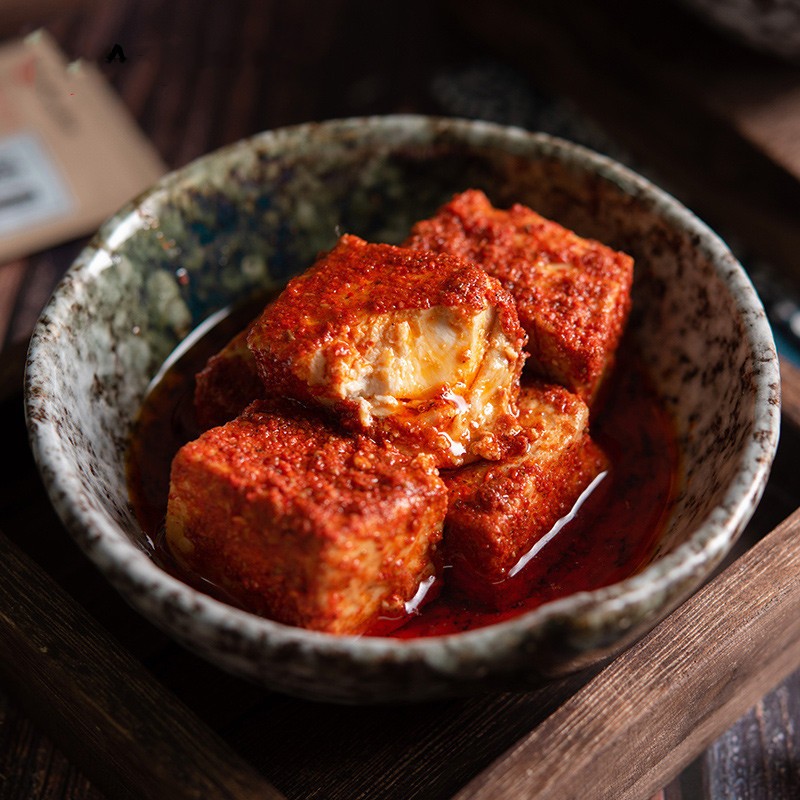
143	718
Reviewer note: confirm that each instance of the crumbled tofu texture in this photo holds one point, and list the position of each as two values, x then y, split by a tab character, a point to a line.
421	349
572	294
498	511
305	524
227	384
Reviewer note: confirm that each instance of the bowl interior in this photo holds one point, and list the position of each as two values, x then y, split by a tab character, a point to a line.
252	215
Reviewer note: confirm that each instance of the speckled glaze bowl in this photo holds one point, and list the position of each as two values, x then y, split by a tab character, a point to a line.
257	212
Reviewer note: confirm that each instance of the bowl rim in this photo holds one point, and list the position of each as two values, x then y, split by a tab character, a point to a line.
110	547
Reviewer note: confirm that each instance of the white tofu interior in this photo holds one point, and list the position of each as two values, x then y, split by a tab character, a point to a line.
401	356
451	369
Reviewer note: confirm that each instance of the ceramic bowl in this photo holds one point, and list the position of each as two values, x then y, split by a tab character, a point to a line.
257	212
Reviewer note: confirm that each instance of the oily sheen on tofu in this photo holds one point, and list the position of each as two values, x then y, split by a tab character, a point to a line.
420	349
499	510
303	523
572	294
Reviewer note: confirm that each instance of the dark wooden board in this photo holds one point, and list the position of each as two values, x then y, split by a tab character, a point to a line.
123	727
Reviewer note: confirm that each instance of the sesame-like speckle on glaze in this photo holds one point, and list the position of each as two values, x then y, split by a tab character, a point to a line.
252	215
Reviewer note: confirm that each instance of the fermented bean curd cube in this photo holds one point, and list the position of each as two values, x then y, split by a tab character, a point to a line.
305	524
572	294
499	511
227	384
420	349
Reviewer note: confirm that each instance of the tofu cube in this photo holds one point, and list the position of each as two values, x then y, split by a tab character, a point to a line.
420	349
499	511
572	294
227	384
304	524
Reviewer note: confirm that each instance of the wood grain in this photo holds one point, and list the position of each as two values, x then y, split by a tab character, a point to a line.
758	758
670	696
31	766
127	732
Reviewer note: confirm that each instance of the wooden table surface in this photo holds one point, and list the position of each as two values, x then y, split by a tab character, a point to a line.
200	74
